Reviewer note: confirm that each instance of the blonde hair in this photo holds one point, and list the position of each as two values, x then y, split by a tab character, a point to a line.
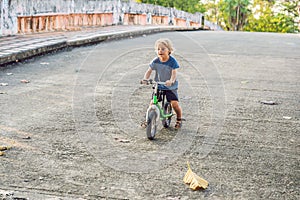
166	42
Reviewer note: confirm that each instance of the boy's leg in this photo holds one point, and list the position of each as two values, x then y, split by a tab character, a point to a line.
178	112
172	97
177	109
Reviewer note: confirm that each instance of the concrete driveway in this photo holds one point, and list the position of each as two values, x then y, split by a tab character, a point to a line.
74	131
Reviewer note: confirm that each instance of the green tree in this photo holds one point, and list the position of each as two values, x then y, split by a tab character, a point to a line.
212	11
260	19
242	15
191	6
272	16
288	15
234	13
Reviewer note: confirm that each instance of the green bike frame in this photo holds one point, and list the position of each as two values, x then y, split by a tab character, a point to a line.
161	111
155	106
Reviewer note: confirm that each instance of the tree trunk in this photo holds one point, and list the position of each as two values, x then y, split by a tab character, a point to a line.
237	18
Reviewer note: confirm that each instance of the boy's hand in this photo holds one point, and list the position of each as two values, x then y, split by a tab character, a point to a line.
143	82
168	83
146	81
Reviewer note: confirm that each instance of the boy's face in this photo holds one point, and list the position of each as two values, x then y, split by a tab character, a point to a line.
162	52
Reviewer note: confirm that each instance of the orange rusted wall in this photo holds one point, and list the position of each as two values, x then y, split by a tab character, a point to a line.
194	24
180	22
160	20
135	19
45	23
75	21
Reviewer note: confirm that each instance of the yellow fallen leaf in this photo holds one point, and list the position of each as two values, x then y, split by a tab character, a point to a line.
1	153
195	181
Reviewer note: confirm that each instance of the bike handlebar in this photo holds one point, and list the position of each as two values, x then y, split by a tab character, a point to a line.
150	81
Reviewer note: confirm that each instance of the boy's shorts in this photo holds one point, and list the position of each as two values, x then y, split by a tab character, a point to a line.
171	95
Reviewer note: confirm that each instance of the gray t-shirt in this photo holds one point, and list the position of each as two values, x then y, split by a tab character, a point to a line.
163	72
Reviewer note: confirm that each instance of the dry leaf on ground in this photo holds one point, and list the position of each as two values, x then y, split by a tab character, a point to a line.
195	181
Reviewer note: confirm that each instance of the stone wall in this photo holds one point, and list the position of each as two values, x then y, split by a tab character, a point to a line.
29	16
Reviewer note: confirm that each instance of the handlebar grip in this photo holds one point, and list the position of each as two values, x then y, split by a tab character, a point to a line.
161	83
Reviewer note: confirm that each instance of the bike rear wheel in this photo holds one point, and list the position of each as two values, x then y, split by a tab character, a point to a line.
151	125
167	110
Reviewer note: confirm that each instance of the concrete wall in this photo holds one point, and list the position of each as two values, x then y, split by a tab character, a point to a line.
28	16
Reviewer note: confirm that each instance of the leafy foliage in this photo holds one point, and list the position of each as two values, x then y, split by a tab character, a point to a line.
242	15
234	13
191	6
265	19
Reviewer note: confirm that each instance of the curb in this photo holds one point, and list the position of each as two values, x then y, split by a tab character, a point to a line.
122	34
39	49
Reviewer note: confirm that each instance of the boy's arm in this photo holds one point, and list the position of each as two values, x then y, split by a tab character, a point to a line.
148	73
172	79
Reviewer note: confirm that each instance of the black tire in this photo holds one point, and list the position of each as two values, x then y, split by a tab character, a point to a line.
167	110
151	125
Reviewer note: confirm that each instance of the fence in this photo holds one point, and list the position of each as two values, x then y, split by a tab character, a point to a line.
29	16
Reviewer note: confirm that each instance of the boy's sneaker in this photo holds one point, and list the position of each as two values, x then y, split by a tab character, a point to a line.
178	123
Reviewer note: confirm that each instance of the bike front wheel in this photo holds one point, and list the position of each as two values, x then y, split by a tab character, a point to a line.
151	125
167	110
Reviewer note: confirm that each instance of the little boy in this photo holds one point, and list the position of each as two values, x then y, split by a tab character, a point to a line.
165	67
